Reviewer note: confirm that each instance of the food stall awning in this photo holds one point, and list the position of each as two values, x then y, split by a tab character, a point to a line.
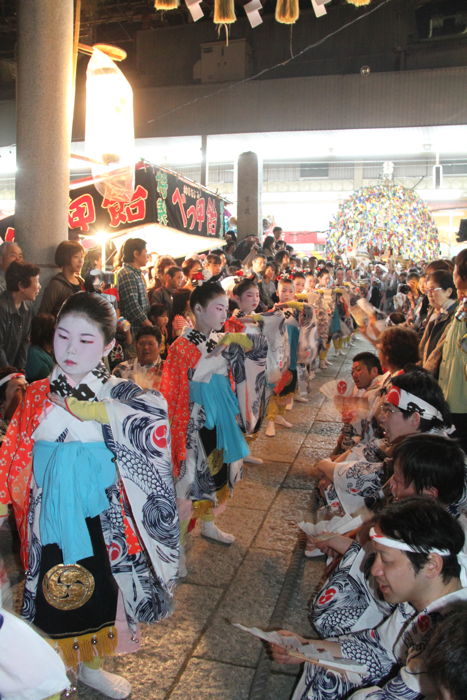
174	215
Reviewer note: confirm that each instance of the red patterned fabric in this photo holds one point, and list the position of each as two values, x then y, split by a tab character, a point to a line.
16	457
234	325
175	388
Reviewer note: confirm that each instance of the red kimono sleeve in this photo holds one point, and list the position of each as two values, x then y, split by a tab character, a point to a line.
175	387
16	457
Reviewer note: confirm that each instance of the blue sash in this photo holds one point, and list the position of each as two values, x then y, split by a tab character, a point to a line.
221	408
73	477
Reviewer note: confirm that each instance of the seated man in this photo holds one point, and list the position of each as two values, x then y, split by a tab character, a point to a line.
416	544
424	465
366	374
413	404
146	368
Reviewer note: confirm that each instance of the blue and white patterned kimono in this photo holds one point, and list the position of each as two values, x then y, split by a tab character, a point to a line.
136	506
395	647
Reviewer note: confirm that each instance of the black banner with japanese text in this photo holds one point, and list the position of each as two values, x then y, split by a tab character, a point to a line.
160	196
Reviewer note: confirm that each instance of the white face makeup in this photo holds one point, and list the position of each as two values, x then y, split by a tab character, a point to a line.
212	316
79	345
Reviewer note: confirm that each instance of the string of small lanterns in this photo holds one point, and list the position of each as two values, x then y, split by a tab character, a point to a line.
287	11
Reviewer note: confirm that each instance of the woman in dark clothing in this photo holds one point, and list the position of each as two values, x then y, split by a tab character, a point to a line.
442	296
69	256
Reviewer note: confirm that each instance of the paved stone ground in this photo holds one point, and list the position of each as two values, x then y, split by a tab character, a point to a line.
197	653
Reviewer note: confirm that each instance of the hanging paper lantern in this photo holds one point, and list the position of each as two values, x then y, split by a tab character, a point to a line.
109	132
165	4
359	3
224	12
287	11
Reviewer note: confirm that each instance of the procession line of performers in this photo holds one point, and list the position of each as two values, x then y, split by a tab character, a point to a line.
106	479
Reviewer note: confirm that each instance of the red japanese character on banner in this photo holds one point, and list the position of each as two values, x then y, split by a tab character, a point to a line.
211	216
81	212
180	199
197	213
136	209
116	212
127	212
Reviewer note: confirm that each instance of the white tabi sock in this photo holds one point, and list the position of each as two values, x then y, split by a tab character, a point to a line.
106	683
210	530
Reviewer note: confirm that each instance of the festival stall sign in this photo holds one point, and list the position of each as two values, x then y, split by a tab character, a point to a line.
174	215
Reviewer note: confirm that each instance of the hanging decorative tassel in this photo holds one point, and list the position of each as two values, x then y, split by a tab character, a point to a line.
359	3
224	12
165	4
287	11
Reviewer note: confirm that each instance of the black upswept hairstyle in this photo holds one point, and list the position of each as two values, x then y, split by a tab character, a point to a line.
205	293
243	286
432	461
96	308
424	524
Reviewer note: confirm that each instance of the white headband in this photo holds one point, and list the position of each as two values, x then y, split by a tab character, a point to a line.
404	547
6	379
409	402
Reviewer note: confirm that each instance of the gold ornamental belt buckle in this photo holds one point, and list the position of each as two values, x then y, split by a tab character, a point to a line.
68	587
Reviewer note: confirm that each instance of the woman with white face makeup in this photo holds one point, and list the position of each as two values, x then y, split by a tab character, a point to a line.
207	444
82	452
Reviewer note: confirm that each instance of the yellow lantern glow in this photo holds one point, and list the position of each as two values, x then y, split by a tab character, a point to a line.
287	11
165	4
359	3
224	12
110	133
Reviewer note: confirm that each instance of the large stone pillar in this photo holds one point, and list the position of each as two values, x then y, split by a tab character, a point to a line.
249	186
44	103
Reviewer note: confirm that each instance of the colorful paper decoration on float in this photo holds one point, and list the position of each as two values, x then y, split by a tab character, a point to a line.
384	219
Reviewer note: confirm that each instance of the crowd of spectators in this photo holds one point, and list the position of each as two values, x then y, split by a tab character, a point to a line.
398	464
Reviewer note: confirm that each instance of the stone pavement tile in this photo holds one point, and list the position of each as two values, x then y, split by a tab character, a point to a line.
253	494
211	563
210	680
280	448
279	530
325	428
296	618
249	600
270	473
299	476
306	459
280	686
164	646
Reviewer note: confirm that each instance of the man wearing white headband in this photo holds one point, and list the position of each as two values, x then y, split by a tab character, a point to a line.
413	404
416	567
